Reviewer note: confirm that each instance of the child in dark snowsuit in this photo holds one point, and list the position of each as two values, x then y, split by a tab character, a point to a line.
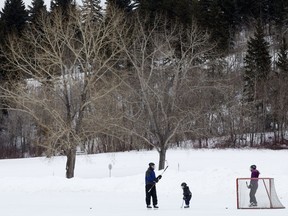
187	195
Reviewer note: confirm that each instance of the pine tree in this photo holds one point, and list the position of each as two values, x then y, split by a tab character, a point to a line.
38	7
14	17
282	62
62	6
257	64
174	10
2	42
219	18
13	21
279	12
124	5
91	10
1	28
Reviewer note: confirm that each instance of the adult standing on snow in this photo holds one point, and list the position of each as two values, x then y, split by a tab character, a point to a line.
150	186
253	185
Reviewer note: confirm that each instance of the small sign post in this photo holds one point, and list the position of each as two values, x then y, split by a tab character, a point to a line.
110	168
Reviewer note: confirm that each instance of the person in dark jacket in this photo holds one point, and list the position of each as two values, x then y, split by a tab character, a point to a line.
253	186
150	186
187	195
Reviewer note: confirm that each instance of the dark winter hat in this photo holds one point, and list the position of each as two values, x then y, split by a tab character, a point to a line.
151	164
183	184
253	167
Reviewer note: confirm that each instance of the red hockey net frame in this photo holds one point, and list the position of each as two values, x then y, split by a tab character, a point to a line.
269	188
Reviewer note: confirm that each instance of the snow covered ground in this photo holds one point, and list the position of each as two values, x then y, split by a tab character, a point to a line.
37	186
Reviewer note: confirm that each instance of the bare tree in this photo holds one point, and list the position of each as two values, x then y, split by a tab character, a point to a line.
66	69
167	85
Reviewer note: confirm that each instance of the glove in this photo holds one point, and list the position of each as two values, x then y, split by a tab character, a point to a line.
159	177
249	186
184	198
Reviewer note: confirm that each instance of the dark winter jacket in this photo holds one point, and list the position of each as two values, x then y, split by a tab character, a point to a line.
186	192
150	177
254	174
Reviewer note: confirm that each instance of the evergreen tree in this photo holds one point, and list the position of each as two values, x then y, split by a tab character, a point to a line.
124	5
62	6
279	97
266	10
2	59
14	17
13	21
219	18
1	28
257	64
91	10
148	6
282	62
229	11
279	11
175	10
38	7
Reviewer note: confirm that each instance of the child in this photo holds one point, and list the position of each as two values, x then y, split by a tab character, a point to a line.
186	194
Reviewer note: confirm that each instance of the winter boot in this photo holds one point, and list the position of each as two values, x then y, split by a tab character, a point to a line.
253	204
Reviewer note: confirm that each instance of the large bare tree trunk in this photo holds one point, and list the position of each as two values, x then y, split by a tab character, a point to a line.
70	163
162	158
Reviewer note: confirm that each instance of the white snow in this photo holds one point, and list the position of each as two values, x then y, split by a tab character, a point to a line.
37	186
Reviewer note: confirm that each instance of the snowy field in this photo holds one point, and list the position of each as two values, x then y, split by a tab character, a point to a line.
37	187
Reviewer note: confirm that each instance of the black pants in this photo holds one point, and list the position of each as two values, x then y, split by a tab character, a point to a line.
187	199
150	194
252	193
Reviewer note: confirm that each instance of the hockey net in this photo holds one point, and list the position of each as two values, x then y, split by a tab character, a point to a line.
266	195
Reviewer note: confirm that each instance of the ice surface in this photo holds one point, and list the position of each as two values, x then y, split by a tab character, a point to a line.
37	186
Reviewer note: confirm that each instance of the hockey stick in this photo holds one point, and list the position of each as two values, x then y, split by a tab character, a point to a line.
155	182
247	185
164	170
182	204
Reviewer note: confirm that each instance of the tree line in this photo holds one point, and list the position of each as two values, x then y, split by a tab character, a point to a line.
140	75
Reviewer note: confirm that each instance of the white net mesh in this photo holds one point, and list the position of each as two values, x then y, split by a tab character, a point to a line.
265	196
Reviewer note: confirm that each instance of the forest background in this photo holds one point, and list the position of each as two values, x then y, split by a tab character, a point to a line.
142	74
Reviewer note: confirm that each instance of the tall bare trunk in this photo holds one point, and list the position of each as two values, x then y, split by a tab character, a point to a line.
70	163
162	158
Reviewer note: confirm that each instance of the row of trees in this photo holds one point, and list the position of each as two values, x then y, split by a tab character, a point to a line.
134	78
223	18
